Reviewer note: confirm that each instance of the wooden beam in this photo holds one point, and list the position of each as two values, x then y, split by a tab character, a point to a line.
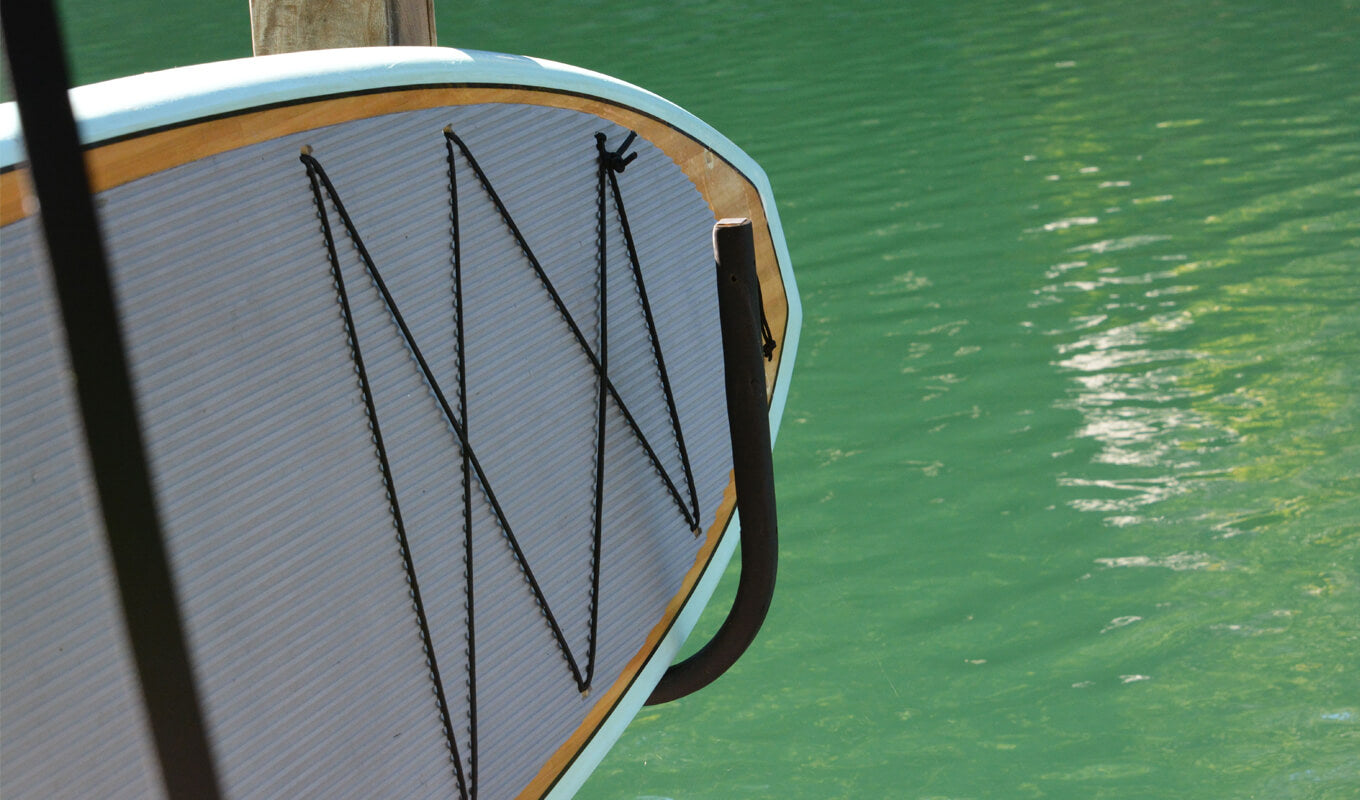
288	26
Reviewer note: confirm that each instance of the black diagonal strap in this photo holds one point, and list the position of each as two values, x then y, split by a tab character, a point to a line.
465	454
616	161
691	515
385	470
413	348
112	433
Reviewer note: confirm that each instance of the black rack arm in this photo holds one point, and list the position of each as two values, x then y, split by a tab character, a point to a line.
748	413
108	409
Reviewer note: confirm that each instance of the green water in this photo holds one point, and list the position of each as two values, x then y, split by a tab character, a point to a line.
1069	478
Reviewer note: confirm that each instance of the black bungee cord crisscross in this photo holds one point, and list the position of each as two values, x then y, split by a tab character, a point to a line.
610	163
690	513
616	162
395	313
314	171
319	179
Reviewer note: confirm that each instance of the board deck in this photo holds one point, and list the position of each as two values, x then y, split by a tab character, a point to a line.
368	291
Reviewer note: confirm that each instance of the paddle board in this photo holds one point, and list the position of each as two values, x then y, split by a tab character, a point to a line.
426	352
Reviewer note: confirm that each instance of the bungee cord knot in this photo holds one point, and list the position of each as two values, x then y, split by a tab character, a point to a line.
615	159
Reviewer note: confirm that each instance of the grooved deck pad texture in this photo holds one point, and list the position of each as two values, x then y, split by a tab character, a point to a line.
279	525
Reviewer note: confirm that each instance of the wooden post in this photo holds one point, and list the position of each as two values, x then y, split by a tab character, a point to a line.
287	26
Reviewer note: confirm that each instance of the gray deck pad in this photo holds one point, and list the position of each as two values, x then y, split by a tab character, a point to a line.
280	518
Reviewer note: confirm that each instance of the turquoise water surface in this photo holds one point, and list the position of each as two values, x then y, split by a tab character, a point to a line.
1069	478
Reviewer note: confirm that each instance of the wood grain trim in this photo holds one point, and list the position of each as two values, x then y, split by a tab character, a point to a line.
727	192
16	196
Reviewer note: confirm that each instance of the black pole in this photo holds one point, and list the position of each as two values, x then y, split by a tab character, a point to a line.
118	460
748	414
